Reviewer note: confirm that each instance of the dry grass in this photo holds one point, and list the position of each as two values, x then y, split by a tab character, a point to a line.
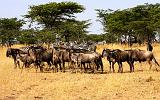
140	85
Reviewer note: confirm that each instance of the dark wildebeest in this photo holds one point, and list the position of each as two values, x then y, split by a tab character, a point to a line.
65	56
56	59
27	61
106	53
118	56
13	52
41	55
141	56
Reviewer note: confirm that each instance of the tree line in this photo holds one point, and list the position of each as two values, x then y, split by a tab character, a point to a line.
47	20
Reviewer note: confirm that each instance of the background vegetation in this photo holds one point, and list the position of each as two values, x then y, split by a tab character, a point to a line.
47	20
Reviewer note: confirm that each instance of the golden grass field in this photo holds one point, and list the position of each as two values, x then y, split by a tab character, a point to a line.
143	84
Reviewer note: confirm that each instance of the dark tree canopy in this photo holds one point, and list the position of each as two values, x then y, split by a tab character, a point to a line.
51	15
141	20
9	28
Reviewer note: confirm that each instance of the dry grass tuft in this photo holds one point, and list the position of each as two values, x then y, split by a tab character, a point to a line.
149	79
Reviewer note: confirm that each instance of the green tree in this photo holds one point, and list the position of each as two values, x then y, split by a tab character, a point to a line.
53	14
58	18
10	28
28	36
140	21
74	30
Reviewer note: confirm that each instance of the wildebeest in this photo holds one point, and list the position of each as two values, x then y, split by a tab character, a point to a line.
141	56
92	58
56	59
65	56
13	52
118	56
41	55
106	53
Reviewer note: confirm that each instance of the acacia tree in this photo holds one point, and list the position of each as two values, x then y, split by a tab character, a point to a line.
141	20
57	17
52	14
10	28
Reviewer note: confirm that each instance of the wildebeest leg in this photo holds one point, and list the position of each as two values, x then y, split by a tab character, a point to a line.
120	67
94	67
39	65
83	65
131	66
63	64
18	63
22	67
49	65
60	66
150	64
15	63
71	66
113	66
110	66
56	68
88	66
36	67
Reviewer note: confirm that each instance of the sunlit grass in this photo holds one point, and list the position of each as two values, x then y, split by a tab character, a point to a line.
143	84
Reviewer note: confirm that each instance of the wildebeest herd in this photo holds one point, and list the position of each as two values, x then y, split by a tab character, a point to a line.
79	59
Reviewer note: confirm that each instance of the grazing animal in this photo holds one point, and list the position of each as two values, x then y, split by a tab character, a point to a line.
93	58
65	56
56	60
142	56
118	56
13	52
121	56
41	55
106	53
26	60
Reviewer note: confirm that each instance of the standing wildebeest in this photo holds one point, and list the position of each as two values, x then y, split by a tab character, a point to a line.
91	57
106	53
13	52
42	55
118	56
26	60
56	59
65	56
141	56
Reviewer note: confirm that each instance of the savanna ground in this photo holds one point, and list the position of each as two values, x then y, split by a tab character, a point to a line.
29	85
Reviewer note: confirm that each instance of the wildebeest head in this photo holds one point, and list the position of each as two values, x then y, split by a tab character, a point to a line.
105	52
11	52
8	53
